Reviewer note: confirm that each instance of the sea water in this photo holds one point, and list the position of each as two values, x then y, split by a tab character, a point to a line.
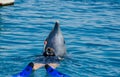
91	29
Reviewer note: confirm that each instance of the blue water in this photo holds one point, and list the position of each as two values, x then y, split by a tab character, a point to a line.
91	29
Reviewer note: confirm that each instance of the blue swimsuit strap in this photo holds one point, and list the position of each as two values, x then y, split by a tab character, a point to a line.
54	72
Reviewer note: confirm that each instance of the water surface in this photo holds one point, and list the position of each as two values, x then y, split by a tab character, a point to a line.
91	29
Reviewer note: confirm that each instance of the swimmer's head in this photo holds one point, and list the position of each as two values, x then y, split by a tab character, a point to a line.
49	52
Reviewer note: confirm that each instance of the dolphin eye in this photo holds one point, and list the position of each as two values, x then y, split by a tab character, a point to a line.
45	42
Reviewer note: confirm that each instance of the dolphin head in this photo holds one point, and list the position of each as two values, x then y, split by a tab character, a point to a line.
54	45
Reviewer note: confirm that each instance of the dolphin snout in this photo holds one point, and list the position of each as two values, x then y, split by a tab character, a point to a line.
57	26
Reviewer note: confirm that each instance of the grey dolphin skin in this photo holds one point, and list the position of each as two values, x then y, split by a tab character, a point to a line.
55	43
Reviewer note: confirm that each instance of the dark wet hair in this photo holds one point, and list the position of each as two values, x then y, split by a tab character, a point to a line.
49	52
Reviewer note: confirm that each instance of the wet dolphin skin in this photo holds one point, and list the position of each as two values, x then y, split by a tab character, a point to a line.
55	43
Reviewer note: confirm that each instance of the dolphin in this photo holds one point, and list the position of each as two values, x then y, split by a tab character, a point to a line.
55	44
